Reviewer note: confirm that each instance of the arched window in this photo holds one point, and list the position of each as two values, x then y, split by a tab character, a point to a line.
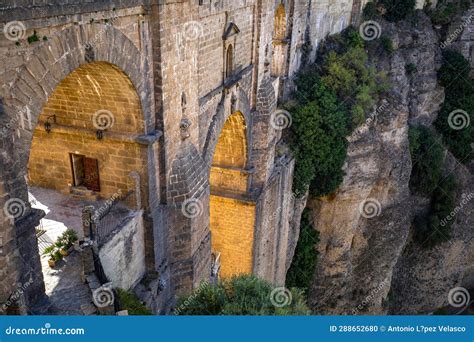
229	61
280	46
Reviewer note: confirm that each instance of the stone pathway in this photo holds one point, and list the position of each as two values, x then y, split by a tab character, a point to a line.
67	294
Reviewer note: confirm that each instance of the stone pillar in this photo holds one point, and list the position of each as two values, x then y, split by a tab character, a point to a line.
88	223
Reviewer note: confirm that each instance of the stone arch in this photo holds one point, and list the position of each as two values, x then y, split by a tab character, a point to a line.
50	63
242	105
231	148
53	61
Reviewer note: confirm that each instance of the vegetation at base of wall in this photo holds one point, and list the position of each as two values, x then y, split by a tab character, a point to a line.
435	227
242	295
427	156
33	38
391	10
332	97
129	301
459	96
303	265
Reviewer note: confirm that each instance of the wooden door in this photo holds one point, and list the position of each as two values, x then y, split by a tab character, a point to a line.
91	174
77	162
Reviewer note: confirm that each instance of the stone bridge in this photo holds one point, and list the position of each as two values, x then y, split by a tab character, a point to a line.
183	93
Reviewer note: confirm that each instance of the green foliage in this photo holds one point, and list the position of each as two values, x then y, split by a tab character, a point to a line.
427	156
370	11
67	239
33	38
387	44
128	301
303	265
239	295
459	96
435	227
53	252
411	69
332	97
396	10
350	75
445	11
318	134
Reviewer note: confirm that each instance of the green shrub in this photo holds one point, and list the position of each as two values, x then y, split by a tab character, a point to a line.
67	239
350	75
435	227
333	96
396	10
239	295
370	11
427	156
387	44
445	11
33	38
301	271
318	138
128	301
410	68
53	252
459	96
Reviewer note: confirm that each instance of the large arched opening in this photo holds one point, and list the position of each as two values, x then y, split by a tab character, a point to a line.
84	152
232	215
36	81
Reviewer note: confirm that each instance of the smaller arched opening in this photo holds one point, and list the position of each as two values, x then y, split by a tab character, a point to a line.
229	61
232	218
280	44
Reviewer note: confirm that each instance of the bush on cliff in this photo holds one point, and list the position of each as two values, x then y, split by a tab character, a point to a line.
332	97
456	117
243	295
435	227
302	267
427	156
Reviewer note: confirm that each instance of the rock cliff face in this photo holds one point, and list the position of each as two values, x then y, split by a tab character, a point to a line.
365	228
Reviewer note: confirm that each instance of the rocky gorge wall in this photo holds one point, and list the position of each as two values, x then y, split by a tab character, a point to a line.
367	263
